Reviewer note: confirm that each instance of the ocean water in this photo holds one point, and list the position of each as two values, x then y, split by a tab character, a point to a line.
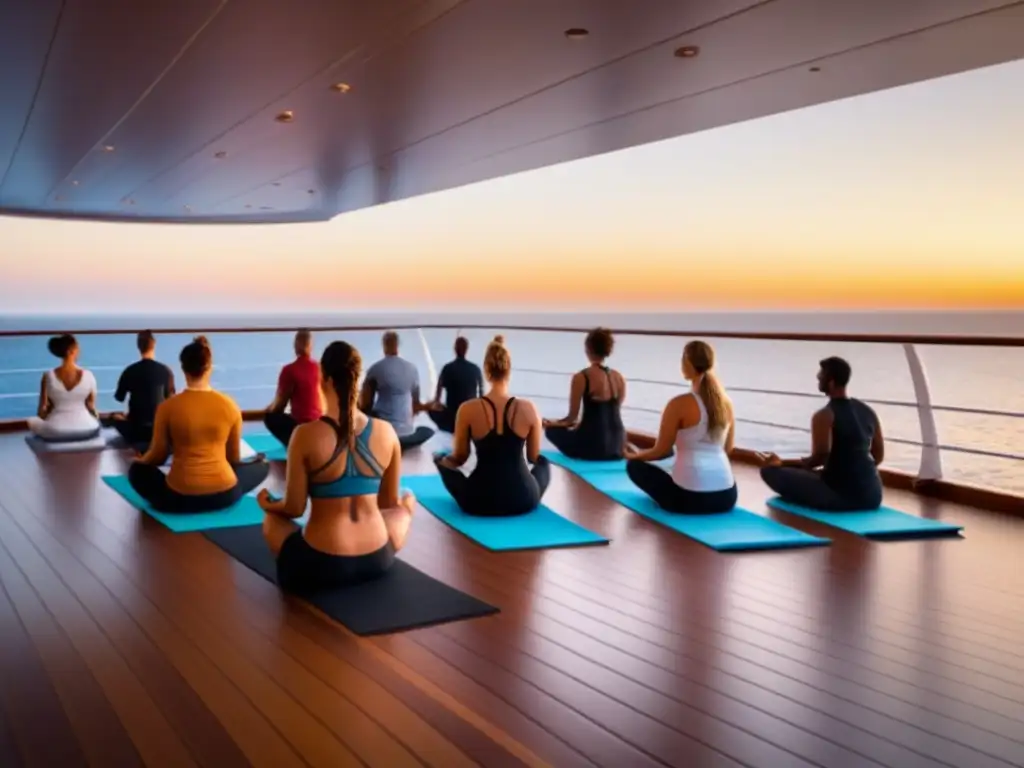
988	378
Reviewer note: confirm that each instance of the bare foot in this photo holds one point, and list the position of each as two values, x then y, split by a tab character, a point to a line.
408	501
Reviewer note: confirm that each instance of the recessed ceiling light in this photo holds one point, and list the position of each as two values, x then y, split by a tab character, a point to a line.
108	147
814	69
687	51
285	117
275	183
220	155
74	183
341	87
311	191
247	205
576	33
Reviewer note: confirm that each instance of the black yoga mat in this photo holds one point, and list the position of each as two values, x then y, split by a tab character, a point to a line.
402	599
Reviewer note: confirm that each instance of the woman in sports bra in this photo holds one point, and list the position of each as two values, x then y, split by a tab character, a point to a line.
599	434
67	398
348	465
702	425
499	426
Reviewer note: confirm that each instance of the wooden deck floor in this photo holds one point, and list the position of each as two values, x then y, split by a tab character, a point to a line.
124	644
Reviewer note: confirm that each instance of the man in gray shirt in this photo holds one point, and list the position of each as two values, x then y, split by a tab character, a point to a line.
391	391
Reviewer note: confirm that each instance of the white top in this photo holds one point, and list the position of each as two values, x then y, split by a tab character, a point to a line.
701	462
68	413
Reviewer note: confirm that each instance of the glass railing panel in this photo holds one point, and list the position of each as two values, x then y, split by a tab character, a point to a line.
771	382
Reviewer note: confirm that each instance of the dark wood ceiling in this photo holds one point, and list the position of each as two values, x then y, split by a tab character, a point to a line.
165	109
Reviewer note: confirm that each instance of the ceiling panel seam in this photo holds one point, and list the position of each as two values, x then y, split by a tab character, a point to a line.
341	61
35	94
532	94
741	81
142	97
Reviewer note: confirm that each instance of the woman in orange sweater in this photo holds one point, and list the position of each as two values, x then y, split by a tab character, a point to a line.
203	429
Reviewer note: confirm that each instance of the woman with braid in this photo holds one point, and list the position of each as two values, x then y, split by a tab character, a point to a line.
348	465
701	425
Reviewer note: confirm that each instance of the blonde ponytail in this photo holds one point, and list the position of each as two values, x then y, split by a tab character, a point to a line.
709	390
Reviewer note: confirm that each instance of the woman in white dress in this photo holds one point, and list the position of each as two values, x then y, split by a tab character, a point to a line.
67	397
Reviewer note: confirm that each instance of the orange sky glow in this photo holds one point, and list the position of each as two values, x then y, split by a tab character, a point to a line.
908	198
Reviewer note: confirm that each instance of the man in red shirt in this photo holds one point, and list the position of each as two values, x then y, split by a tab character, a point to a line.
298	384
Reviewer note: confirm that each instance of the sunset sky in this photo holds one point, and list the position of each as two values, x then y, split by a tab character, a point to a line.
909	198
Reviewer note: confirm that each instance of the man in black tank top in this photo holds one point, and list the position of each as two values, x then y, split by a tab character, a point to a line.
847	446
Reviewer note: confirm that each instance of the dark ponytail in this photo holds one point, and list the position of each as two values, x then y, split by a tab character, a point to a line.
341	365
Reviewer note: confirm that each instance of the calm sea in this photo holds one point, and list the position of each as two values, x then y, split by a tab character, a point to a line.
964	377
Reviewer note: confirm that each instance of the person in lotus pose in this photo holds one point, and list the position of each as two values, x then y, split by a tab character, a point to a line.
599	433
203	428
146	383
67	398
499	426
298	385
349	465
702	426
391	392
841	474
461	381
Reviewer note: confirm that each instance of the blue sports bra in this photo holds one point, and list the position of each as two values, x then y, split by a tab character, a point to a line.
351	482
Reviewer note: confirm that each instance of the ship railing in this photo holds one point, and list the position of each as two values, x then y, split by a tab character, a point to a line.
928	479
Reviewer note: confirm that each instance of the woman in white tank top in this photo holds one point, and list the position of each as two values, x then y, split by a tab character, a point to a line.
702	427
67	398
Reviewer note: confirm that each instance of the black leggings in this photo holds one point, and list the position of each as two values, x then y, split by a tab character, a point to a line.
419	437
443	419
151	484
808	489
137	435
659	485
477	496
580	445
303	569
281	426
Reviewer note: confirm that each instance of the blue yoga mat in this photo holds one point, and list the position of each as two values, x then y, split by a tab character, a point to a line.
583	467
540	529
883	522
268	445
732	531
246	512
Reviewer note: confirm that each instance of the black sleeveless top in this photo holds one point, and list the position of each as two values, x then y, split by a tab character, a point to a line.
601	422
850	469
500	457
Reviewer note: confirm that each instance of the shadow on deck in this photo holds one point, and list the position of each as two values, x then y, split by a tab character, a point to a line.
125	644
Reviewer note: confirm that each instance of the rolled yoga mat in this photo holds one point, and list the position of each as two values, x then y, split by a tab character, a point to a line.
403	598
881	523
735	531
540	529
246	511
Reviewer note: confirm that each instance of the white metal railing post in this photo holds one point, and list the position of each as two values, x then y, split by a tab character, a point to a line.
431	369
931	454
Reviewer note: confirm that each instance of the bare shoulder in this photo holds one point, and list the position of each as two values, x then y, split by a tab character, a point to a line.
822	414
526	411
383	429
